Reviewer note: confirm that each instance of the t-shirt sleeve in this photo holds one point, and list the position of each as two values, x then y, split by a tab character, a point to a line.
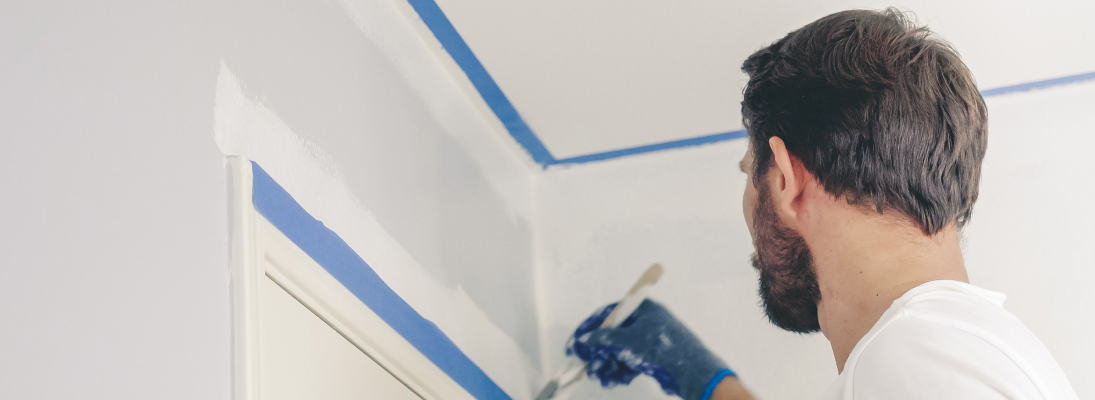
918	359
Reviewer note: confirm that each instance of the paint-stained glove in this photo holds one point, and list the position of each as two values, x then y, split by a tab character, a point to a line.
652	342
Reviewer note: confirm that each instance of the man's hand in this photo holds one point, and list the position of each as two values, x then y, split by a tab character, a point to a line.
652	342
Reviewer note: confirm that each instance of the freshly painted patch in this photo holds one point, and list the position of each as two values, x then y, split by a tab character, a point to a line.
334	255
1023	87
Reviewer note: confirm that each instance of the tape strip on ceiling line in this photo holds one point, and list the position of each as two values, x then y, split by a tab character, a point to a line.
454	44
334	255
1023	87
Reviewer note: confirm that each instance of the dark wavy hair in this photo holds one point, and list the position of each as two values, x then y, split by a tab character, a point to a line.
880	110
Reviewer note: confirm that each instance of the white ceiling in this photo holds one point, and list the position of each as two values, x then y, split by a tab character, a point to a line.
590	76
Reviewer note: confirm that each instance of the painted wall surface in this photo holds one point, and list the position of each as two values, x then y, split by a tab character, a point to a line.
113	235
436	205
1030	238
114	273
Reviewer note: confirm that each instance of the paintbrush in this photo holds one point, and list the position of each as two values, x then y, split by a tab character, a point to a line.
623	309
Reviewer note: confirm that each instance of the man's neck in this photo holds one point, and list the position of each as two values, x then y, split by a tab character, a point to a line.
865	263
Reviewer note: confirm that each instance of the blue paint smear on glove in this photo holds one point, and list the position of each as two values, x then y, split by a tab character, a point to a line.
650	342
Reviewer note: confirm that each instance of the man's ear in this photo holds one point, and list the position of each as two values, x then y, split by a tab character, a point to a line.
788	182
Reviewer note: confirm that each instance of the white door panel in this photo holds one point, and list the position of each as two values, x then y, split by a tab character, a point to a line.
304	358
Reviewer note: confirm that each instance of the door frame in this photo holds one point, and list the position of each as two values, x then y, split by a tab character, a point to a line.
254	238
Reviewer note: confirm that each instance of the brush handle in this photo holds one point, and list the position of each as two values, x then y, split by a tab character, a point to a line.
634	297
623	309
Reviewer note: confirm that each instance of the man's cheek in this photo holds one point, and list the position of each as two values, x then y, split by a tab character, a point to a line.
748	208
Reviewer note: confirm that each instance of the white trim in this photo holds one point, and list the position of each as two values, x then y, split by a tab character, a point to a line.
242	265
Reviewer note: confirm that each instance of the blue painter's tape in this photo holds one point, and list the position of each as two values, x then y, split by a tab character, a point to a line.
1038	85
342	262
718	137
439	24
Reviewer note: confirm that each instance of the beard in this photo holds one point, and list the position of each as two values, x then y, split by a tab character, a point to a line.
788	285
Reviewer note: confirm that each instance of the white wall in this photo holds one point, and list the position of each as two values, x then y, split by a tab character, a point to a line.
336	88
1030	238
113	279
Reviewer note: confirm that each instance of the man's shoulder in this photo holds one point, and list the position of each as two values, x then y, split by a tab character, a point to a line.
952	341
923	358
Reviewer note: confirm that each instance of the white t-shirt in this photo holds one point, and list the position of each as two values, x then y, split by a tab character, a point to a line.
950	340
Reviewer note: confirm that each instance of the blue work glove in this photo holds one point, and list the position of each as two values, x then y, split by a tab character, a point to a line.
652	342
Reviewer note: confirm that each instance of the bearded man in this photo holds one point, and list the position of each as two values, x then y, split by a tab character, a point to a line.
866	135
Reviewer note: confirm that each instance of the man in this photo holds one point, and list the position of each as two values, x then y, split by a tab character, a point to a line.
866	140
